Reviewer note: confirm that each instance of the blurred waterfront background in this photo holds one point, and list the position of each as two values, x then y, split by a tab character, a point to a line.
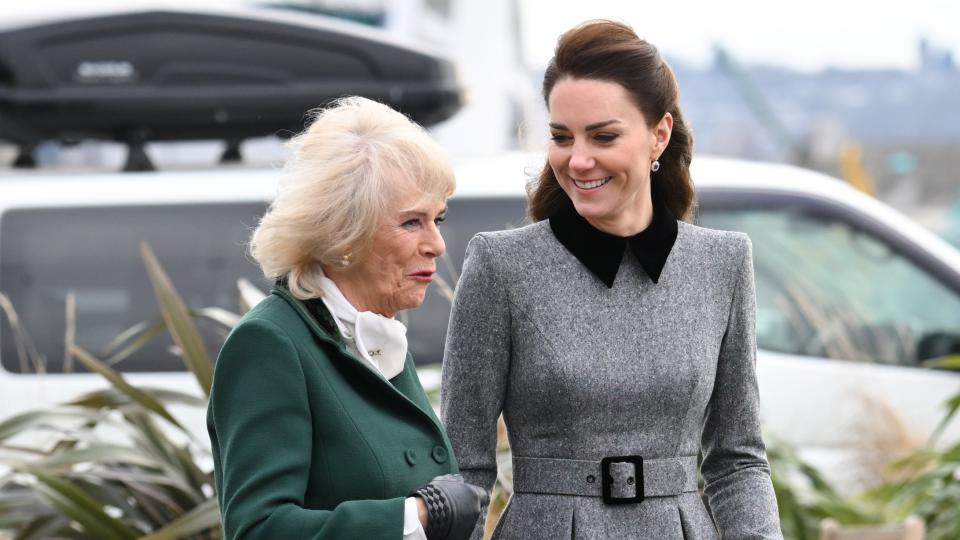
857	323
862	90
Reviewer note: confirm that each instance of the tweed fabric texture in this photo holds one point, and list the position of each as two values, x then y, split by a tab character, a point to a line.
670	476
582	371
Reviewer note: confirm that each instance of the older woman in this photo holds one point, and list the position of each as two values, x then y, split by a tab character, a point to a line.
318	423
616	338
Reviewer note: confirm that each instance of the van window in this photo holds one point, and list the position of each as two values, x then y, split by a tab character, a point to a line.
93	251
828	289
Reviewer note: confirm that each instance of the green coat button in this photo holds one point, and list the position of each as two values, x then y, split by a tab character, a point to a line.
439	454
411	457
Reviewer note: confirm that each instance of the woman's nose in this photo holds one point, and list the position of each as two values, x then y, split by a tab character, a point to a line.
433	245
580	159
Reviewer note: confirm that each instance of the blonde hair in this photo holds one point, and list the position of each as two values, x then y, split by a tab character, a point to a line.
336	186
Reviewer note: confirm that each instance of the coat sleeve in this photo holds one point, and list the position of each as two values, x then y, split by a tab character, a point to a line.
261	432
735	466
476	365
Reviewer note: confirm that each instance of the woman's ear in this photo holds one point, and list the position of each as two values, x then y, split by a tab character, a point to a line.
662	132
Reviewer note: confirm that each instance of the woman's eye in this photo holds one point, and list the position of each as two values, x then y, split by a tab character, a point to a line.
559	138
410	224
606	137
440	219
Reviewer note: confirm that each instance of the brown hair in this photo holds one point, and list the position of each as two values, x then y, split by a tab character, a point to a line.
611	51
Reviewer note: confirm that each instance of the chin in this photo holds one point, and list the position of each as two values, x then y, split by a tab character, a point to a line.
412	302
589	209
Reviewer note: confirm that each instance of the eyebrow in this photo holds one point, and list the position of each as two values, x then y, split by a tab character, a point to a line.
590	127
422	213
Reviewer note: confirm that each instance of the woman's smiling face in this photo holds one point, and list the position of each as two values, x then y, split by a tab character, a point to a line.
600	151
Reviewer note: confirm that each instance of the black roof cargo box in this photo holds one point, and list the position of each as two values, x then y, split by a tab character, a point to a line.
177	75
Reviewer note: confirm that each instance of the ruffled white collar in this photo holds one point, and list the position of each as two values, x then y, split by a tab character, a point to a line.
378	340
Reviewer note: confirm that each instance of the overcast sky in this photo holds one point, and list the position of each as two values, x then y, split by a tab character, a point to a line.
807	34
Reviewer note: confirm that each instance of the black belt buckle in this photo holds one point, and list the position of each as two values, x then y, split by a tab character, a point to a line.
606	480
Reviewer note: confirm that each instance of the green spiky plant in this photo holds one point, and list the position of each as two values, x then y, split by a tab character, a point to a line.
930	484
926	484
115	463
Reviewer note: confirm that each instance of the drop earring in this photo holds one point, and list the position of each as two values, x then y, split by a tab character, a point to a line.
655	166
345	259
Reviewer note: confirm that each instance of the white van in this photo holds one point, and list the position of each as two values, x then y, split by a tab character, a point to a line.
852	296
79	234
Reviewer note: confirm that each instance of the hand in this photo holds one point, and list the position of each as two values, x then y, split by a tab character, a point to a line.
453	507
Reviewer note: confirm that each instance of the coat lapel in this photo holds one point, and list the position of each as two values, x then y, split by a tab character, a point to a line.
404	386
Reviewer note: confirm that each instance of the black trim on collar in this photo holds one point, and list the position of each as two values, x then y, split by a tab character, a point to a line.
602	253
324	318
317	309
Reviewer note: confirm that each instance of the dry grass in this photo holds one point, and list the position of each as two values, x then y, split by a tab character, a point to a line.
503	487
882	438
26	351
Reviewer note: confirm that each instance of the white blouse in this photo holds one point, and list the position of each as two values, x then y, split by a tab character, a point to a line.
378	340
382	343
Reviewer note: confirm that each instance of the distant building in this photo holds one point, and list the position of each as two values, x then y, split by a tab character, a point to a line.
907	123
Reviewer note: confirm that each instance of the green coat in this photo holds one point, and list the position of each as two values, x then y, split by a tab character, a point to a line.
309	442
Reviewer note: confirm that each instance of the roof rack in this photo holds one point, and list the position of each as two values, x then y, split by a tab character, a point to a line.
190	75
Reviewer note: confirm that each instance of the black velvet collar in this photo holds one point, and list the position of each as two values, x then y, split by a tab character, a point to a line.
318	310
602	253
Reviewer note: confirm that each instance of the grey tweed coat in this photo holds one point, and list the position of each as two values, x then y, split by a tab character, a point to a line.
581	371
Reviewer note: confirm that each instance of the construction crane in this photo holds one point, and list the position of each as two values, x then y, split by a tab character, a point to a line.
850	156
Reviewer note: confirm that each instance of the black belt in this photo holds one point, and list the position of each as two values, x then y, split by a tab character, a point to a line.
619	480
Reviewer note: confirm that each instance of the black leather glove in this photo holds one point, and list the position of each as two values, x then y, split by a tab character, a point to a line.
453	507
